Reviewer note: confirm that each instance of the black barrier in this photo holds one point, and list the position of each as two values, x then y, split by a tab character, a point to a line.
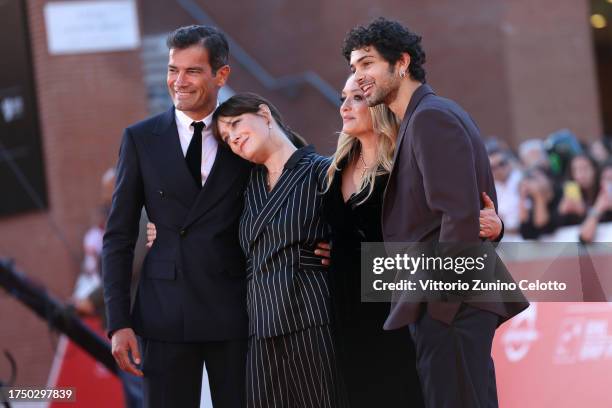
59	316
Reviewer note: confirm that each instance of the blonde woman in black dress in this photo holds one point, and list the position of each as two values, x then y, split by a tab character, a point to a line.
378	367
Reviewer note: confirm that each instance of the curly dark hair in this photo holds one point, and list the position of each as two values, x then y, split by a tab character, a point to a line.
208	37
390	39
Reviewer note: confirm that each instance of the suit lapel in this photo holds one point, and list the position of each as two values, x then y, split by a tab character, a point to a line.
221	178
288	182
165	149
417	97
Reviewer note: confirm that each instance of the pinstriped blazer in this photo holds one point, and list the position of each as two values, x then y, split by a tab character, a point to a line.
287	287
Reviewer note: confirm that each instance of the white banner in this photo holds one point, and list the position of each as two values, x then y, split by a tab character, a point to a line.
75	27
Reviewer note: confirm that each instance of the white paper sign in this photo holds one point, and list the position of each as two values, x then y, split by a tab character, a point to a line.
75	27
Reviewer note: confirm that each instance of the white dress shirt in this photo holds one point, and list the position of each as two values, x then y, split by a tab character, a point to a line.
209	143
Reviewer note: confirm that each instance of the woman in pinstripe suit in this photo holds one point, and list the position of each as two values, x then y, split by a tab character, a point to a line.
291	358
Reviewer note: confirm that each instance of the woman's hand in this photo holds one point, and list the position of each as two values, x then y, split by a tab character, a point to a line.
151	234
490	223
323	250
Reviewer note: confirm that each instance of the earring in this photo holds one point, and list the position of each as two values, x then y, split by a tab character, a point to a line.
402	74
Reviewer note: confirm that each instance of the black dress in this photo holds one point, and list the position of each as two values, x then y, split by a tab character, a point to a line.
378	367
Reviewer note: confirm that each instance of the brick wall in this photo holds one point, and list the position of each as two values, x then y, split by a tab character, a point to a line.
84	103
519	67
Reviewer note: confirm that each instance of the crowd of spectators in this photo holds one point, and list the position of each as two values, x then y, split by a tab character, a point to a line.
551	183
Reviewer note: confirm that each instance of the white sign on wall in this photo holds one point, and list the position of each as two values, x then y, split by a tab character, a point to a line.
75	27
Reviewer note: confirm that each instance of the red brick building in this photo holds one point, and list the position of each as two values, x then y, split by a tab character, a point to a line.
521	68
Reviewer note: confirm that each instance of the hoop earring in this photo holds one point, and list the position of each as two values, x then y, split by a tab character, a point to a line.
402	74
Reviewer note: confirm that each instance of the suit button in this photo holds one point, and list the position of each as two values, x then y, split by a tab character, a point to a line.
161	194
183	232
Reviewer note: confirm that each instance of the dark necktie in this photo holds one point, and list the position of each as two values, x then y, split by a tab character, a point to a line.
194	153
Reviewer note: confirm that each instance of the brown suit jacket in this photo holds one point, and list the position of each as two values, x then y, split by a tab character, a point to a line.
433	193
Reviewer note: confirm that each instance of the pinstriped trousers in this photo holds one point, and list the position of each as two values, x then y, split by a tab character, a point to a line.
295	370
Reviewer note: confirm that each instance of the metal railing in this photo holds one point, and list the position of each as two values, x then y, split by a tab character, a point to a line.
290	84
57	315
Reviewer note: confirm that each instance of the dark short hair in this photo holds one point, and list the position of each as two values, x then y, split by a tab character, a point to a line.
505	153
390	39
247	102
208	37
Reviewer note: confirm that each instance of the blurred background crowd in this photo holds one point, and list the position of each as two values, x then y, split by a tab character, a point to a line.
536	75
552	182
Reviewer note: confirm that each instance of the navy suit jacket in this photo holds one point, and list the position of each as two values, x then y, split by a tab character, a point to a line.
192	286
287	288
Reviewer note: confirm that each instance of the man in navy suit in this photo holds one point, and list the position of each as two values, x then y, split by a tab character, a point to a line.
190	303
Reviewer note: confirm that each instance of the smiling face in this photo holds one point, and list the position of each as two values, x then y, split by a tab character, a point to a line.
356	117
247	135
378	79
191	83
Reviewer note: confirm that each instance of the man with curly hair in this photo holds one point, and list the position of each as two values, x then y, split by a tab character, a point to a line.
432	195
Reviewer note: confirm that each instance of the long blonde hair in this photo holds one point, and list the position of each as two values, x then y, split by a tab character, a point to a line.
386	125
